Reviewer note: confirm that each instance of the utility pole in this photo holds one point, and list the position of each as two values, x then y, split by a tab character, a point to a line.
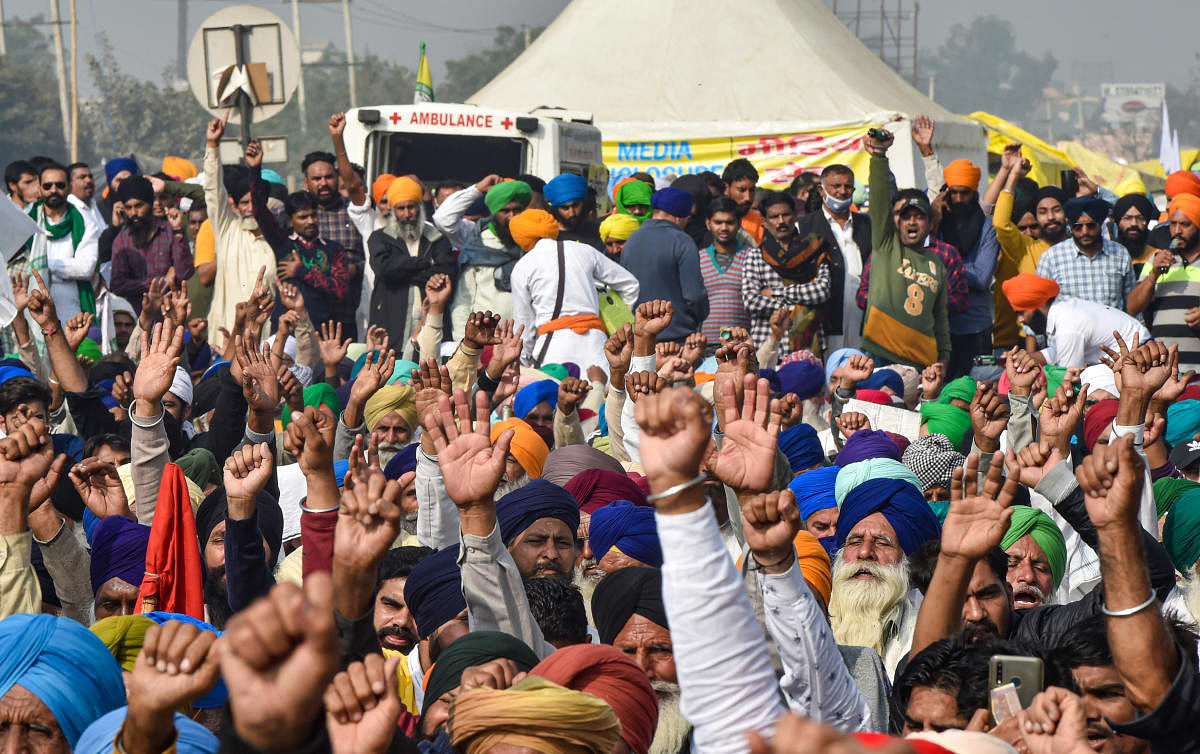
350	53
3	43
181	40
64	107
301	98
74	84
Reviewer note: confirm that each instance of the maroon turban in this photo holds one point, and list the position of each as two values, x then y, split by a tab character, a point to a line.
596	488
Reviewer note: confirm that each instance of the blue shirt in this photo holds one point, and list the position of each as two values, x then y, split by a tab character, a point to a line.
1105	278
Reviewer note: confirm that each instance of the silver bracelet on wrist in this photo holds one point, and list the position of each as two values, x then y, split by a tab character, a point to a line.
1129	610
671	491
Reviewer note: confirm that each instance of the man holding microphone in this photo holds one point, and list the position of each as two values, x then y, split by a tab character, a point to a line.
1169	291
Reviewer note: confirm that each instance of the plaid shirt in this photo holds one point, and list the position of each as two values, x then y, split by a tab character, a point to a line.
336	226
133	268
1106	278
758	274
957	296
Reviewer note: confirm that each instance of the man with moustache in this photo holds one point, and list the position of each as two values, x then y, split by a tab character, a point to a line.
393	621
1088	266
146	248
69	248
321	177
83	193
1132	213
1037	557
1170	287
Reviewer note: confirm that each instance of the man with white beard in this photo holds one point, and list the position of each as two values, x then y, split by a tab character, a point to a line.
390	415
594	488
628	611
881	523
1037	557
526	456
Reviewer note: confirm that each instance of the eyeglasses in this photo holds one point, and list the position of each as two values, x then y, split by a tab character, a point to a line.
1086	226
54	184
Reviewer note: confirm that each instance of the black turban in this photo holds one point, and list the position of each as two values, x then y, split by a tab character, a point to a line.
433	591
1050	192
1140	201
216	506
623	593
1094	207
136	187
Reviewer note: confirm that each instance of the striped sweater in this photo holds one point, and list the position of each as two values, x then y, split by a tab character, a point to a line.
1176	291
725	306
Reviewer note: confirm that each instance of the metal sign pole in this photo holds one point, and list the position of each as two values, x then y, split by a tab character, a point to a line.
245	106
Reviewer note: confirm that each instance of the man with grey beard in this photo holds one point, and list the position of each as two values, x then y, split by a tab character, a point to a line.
404	255
882	522
1037	557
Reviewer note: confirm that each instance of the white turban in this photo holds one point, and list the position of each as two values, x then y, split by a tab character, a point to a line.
181	386
1099	377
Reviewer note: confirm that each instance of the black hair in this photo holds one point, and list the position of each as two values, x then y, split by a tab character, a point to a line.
715	185
114	441
958	669
399	562
740	169
557	607
922	562
449	183
537	185
644	177
41	161
54	166
312	157
721	204
17	168
1085	644
801	182
836	169
776	197
18	390
75	166
360	170
909	193
299	200
198	207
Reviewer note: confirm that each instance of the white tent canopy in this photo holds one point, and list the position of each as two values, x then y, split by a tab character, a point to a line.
707	68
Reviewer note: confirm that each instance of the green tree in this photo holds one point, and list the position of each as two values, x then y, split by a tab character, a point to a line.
980	68
30	117
469	74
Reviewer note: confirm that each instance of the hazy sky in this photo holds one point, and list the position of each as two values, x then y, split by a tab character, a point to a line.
1137	40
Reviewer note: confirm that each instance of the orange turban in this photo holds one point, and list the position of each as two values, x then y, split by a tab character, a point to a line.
814	564
1188	204
531	226
180	168
380	186
404	189
1028	291
1183	182
962	173
527	446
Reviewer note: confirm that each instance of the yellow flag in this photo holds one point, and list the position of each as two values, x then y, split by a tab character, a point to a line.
423	91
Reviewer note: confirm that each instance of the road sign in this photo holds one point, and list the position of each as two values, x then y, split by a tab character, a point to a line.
244	58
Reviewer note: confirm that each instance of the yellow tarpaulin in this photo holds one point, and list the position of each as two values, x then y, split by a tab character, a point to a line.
1112	175
1189	158
1045	161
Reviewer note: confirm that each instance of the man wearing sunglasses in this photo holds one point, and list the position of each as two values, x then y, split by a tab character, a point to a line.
68	251
1087	265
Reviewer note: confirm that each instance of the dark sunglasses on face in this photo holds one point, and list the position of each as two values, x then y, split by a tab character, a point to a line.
1086	226
54	184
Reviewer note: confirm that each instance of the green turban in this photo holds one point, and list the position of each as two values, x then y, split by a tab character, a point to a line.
632	193
557	371
124	636
90	349
1035	523
963	388
1181	533
321	393
1054	377
507	191
951	421
1168	489
200	465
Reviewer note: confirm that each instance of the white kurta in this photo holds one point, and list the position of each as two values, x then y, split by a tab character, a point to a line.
535	289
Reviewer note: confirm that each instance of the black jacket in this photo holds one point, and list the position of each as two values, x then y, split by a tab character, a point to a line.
815	222
396	270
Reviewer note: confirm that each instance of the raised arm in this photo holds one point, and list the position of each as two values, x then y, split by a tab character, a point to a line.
62	357
880	213
350	179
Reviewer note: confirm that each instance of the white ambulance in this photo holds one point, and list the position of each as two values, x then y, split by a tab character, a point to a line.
439	141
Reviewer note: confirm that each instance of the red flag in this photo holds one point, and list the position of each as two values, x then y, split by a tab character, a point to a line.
174	580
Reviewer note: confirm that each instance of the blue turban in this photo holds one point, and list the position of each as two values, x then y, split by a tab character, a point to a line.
64	665
814	490
8	371
858	472
340	468
119	550
533	394
117	164
433	591
516	511
270	176
1183	421
191	737
801	446
1094	207
839	358
402	463
900	502
868	443
882	378
673	201
804	378
772	377
627	527
565	188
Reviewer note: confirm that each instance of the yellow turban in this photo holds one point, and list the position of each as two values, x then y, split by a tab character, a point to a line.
535	714
124	636
527	446
962	173
380	186
618	226
404	189
180	168
814	564
1188	204
396	397
531	226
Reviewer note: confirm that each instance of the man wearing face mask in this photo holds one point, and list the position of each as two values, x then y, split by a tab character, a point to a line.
240	246
1074	329
847	238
